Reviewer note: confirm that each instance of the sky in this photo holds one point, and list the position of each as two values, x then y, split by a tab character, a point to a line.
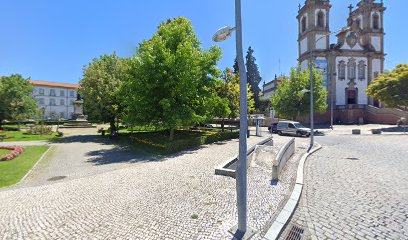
52	40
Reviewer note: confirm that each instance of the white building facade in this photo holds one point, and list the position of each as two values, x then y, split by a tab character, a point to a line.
354	61
55	99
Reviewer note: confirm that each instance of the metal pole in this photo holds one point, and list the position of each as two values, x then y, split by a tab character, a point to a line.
311	103
241	176
331	98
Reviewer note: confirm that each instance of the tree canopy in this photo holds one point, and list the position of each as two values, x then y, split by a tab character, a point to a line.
392	87
229	89
171	78
100	87
16	99
253	75
289	100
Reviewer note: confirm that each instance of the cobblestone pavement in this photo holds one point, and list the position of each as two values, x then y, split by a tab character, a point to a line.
83	155
176	198
356	188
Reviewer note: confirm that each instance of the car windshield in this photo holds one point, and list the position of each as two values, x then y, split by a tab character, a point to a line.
298	125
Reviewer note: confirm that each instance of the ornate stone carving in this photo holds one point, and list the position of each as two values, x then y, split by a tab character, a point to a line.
352	39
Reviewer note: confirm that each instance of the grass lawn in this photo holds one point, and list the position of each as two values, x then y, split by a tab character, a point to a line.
12	136
12	171
159	143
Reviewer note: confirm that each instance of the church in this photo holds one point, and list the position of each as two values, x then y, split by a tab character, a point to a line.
349	65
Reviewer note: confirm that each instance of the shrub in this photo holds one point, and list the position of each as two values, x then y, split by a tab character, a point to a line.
185	140
40	130
10	128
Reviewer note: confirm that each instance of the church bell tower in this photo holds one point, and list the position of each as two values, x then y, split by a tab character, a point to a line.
313	19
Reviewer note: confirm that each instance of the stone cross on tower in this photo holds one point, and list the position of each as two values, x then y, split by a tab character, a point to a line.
351	8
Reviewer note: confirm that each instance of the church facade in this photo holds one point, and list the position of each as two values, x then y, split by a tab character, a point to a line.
349	65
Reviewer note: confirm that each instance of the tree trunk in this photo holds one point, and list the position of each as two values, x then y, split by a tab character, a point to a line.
112	125
171	134
1	120
222	125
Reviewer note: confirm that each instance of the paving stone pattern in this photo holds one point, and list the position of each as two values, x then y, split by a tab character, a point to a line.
175	198
356	188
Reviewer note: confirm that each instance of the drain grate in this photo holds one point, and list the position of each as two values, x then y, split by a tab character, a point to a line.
295	233
56	178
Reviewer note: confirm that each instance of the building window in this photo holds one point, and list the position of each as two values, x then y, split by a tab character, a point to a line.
71	102
351	69
361	70
376	21
71	94
303	24
62	93
52	92
41	92
320	19
376	75
62	102
40	101
52	102
342	70
62	115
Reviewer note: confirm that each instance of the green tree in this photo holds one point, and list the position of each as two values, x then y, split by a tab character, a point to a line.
290	102
100	88
16	99
172	78
392	87
253	75
228	89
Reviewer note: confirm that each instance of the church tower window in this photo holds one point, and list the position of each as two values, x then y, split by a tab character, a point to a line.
376	21
320	19
303	24
351	69
342	70
361	70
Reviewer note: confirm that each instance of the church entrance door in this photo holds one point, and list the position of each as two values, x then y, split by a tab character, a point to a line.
351	95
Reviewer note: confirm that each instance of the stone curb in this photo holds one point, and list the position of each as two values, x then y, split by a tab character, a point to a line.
224	170
284	216
35	165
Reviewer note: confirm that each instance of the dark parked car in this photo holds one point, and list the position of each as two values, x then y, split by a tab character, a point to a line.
273	128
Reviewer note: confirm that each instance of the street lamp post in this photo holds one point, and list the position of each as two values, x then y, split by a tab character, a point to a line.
241	231
311	102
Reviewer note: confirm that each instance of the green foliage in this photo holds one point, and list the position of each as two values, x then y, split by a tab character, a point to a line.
183	140
171	78
16	100
253	75
264	105
229	89
100	87
290	102
392	87
10	128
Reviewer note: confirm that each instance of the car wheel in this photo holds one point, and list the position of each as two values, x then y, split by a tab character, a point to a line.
298	134
307	135
279	133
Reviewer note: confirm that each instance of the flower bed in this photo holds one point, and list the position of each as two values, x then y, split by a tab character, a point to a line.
10	156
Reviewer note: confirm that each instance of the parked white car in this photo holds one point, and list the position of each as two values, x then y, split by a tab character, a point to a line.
293	128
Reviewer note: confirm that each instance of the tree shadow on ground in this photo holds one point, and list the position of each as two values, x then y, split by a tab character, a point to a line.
85	139
126	153
120	155
395	129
